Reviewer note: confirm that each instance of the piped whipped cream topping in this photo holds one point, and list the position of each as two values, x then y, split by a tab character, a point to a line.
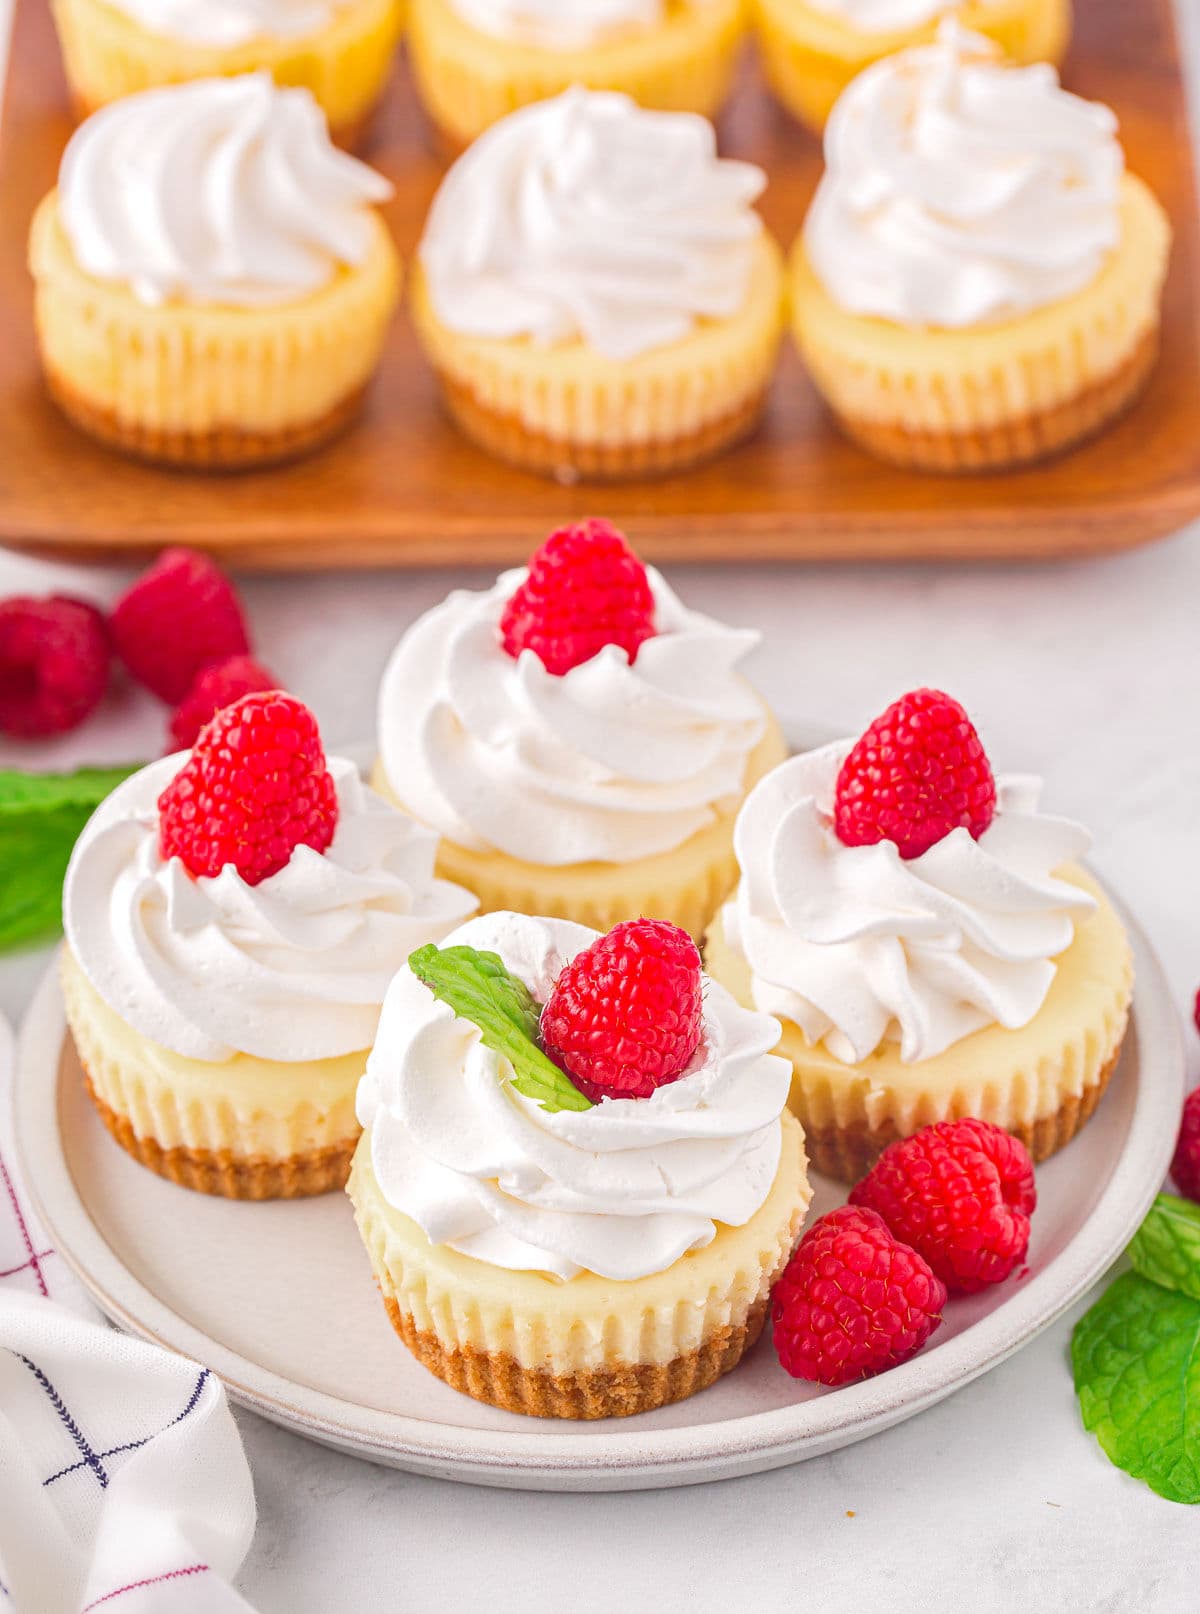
612	761
226	23
293	969
222	191
621	1190
886	16
586	217
960	190
561	24
859	948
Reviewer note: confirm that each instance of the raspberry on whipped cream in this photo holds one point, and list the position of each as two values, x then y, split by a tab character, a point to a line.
584	589
614	759
622	1189
860	947
627	1014
293	968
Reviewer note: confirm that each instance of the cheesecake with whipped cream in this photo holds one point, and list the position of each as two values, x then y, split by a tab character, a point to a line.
223	1021
981	972
979	280
575	775
597	292
548	1253
238	330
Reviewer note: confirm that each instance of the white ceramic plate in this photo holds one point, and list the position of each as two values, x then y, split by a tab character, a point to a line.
278	1298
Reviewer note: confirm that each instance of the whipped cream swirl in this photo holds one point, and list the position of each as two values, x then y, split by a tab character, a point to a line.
621	1190
858	947
223	24
885	16
960	190
224	190
586	217
612	761
293	969
561	24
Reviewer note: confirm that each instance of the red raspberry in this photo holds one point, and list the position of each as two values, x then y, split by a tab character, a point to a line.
853	1300
1185	1168
961	1193
216	686
626	1014
54	664
254	788
918	772
1196	1012
585	589
178	618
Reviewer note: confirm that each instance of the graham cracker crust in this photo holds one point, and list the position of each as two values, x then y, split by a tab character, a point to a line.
619	1391
226	1175
224	448
848	1153
506	438
1024	441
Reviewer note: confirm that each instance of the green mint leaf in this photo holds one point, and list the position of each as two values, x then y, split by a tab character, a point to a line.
41	816
478	988
1136	1360
45	792
1166	1248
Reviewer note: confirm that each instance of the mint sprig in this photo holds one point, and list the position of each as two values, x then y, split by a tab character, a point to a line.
1136	1359
41	816
478	988
1136	1356
1166	1248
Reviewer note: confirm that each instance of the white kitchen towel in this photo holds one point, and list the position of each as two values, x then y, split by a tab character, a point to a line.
123	1484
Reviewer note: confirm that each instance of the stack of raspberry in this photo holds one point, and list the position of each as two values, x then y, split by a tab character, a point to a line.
944	1212
180	631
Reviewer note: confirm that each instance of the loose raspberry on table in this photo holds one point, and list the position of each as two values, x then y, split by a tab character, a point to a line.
626	1015
216	686
585	589
254	788
1196	1012
853	1300
178	618
961	1193
55	661
919	772
1185	1168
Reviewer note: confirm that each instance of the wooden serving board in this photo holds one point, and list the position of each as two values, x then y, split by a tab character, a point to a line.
403	488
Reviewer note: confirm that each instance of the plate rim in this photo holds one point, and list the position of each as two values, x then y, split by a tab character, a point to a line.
623	1457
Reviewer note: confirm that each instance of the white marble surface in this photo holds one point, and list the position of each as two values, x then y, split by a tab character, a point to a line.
993	1501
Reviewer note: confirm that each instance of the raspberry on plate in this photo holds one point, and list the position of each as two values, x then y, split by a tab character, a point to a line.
214	687
54	664
853	1300
961	1193
919	772
254	788
178	618
1185	1168
585	589
626	1014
